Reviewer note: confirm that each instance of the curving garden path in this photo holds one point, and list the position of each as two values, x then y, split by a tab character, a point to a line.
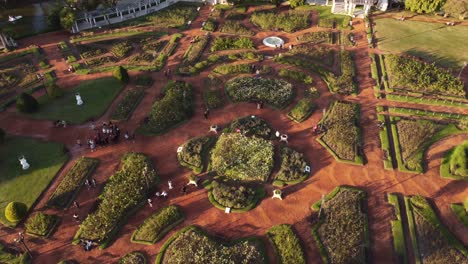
294	209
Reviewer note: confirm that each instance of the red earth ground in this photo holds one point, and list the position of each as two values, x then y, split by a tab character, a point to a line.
294	209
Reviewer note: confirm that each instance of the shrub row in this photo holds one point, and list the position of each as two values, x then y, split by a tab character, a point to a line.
41	224
226	69
195	50
397	229
295	75
122	195
125	107
286	244
70	185
316	37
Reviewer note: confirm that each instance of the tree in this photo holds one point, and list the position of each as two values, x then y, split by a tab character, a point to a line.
296	3
15	211
424	6
67	18
53	20
26	103
121	74
457	8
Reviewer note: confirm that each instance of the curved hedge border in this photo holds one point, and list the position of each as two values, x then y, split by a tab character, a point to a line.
162	251
163	231
205	156
259	194
445	167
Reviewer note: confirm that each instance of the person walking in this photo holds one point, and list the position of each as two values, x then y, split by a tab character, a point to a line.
206	113
88	184
94	183
76	205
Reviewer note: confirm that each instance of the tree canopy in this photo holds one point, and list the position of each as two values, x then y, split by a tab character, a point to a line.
456	8
424	6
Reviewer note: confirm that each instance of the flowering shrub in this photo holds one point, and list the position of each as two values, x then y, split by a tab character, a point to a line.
342	133
176	106
251	126
193	153
277	93
192	245
157	225
125	107
292	166
232	195
124	191
243	158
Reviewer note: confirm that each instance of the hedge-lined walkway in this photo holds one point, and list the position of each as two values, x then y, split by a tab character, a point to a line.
294	209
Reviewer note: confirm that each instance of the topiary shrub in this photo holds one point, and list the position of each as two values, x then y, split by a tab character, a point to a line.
15	211
121	74
26	103
54	91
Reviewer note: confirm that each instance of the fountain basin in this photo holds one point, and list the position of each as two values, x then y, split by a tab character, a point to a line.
273	42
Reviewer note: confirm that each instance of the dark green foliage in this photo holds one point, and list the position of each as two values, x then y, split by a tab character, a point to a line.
155	227
121	49
124	191
227	43
2	135
342	133
192	242
15	211
225	69
416	76
210	25
54	91
345	82
72	182
277	93
144	80
41	224
194	151
308	56
213	98
251	126
289	22
235	27
316	37
175	107
127	104
121	74
175	16
292	165
26	103
296	3
286	244
424	6
134	257
195	50
341	231
459	160
295	75
7	257
234	196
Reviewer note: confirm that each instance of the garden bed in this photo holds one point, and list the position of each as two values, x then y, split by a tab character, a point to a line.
461	211
41	225
125	107
213	98
289	22
342	137
155	227
194	51
342	233
286	244
242	158
192	241
225	69
454	165
238	197
134	257
292	167
231	43
435	242
236	28
193	154
301	111
318	37
250	126
295	75
274	92
384	135
174	108
71	184
124	193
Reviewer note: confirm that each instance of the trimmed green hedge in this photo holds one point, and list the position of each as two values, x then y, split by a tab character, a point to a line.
385	144
226	69
454	164
286	244
234	192
295	75
155	227
301	111
194	153
461	212
70	185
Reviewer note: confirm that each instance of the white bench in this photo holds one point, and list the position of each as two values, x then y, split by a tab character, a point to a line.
277	194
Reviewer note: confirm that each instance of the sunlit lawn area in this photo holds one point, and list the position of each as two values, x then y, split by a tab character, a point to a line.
97	95
45	160
435	42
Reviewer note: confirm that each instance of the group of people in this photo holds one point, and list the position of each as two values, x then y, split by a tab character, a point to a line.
107	134
90	184
59	123
167	73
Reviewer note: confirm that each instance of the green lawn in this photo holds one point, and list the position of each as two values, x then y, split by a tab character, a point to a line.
434	42
45	159
97	95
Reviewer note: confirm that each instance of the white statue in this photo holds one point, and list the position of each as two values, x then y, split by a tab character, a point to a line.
24	163
79	101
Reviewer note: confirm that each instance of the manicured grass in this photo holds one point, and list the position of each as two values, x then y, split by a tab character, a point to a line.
434	42
458	160
385	144
286	244
460	211
97	95
397	229
45	160
425	113
301	111
412	230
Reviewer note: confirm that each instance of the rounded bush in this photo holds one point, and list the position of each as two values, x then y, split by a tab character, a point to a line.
121	74
15	211
26	103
